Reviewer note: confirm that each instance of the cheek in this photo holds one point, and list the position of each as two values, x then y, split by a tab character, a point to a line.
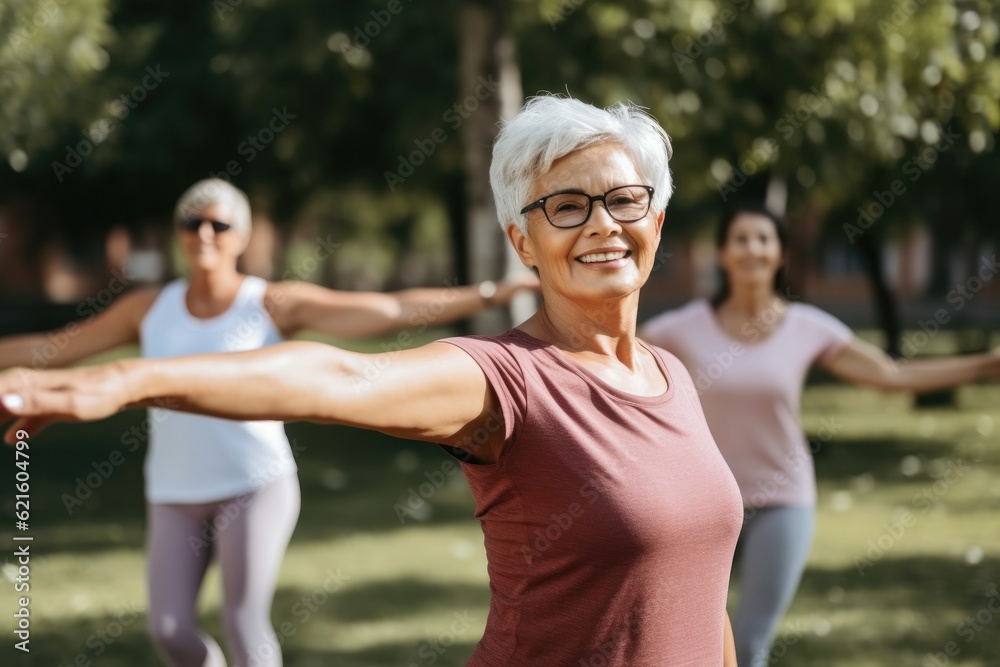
233	244
552	251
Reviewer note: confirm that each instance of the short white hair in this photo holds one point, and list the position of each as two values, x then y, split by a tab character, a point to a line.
549	127
212	191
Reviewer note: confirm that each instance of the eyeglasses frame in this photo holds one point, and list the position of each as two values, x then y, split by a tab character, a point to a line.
540	203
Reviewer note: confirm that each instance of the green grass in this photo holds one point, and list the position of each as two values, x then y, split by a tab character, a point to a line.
404	583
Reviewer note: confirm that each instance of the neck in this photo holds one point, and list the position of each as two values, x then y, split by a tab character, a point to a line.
751	299
603	328
214	284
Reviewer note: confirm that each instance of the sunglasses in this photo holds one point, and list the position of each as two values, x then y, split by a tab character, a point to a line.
194	224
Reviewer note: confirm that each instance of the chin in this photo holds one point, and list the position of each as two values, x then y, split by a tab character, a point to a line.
611	289
204	263
757	275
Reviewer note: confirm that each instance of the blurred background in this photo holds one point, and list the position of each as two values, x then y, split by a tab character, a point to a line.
362	133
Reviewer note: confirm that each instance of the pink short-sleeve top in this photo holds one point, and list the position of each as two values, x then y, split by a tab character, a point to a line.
609	520
751	393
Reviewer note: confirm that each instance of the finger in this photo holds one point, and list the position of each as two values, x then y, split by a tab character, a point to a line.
10	404
20	379
36	401
30	425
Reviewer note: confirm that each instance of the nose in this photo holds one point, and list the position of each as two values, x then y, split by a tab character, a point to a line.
756	247
600	222
205	231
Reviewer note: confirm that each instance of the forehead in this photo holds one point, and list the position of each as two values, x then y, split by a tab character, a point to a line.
753	223
594	169
221	210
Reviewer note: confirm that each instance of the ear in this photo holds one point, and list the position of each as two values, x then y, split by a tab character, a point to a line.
522	245
659	223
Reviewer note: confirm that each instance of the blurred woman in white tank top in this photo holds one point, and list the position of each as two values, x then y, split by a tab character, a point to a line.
222	488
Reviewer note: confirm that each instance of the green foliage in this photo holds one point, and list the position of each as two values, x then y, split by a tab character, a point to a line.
51	49
833	95
836	97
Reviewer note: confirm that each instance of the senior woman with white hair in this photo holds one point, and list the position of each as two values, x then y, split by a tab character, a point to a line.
609	515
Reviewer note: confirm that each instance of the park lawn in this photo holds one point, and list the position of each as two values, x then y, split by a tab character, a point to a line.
905	551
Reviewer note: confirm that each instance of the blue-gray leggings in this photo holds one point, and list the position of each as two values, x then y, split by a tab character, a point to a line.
248	536
770	556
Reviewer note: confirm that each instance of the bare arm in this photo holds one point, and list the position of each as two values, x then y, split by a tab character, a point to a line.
298	306
435	393
117	325
863	363
729	646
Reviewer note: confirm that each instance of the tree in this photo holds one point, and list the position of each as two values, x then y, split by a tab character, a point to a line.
51	49
831	99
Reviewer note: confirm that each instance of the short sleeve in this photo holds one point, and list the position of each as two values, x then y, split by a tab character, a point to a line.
830	334
504	375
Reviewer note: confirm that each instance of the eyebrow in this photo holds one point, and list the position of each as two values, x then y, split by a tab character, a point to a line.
564	191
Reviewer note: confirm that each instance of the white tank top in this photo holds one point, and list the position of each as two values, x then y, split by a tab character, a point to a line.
196	459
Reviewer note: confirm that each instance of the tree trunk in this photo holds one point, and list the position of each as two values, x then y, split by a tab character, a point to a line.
887	310
490	83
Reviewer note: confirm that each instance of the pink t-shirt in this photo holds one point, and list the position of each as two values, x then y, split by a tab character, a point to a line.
609	521
751	393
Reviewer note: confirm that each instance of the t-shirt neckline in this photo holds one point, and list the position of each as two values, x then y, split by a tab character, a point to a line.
723	334
614	392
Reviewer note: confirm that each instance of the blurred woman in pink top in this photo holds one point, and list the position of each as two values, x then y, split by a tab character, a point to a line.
609	515
748	351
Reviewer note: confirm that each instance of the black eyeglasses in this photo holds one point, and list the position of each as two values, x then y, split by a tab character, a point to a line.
194	224
627	203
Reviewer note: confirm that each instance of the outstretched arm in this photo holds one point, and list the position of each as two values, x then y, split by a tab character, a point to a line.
863	363
96	333
435	393
298	306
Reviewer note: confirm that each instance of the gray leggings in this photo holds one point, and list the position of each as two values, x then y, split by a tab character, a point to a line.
770	556
248	536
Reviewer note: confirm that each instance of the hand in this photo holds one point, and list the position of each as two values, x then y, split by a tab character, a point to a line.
38	398
508	287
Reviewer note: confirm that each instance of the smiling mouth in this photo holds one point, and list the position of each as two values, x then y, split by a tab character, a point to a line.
597	257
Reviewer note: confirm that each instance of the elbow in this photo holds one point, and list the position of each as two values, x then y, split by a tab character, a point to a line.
339	379
887	379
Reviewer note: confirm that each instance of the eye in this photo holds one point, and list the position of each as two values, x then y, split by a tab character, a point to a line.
622	200
564	206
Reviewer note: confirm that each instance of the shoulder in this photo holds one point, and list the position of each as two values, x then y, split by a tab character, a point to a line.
255	284
135	305
823	327
290	294
510	356
808	313
509	344
671	322
692	310
283	296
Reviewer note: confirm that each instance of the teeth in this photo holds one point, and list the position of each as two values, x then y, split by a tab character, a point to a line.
602	256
